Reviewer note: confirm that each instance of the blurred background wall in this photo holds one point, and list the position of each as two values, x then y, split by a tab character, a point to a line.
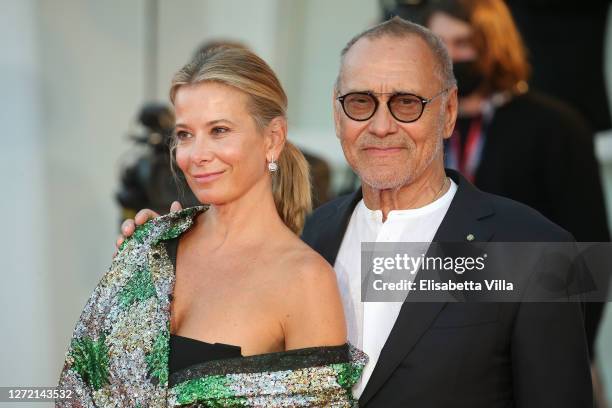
73	74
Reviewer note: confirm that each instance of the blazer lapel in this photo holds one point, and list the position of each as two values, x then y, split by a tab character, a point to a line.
331	229
466	211
468	208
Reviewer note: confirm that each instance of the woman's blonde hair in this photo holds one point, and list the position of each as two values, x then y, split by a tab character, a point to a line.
242	69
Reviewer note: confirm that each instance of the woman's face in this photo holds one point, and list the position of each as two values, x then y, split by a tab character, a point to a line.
219	148
456	35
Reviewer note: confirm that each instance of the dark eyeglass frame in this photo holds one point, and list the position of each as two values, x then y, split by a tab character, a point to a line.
373	95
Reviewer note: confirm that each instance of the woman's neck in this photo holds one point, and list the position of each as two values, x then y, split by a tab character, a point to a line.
249	218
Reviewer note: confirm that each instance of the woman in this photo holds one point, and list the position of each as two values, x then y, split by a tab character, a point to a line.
220	305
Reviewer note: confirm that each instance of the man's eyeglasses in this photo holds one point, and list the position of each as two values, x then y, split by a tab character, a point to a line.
405	107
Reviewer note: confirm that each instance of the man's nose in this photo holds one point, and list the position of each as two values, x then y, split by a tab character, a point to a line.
382	123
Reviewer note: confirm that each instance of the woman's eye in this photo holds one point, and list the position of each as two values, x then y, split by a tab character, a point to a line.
217	130
182	135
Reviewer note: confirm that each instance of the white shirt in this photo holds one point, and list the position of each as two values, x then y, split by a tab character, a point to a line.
370	323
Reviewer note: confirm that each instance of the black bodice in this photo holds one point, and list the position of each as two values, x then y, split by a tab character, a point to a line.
185	351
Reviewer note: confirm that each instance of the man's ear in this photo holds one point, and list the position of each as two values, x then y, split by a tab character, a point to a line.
451	112
276	136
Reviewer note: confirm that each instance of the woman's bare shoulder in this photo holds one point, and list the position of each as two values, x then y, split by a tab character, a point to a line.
305	263
312	309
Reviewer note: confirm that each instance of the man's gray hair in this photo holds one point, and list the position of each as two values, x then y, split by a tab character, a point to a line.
399	28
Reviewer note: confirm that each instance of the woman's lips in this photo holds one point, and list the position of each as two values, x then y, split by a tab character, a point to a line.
207	177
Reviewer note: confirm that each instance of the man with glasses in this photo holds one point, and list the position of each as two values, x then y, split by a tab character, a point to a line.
395	101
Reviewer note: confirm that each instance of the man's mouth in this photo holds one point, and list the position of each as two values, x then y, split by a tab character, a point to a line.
382	151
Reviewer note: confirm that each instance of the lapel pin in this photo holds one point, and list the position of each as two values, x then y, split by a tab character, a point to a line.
470	237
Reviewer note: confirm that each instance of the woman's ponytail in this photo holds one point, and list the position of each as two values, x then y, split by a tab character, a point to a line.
291	187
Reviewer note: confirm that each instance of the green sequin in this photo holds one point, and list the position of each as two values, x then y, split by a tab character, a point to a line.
123	245
91	360
347	374
172	232
139	288
143	231
215	388
157	360
178	223
177	228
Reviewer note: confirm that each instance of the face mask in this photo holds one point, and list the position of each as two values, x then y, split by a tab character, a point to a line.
468	77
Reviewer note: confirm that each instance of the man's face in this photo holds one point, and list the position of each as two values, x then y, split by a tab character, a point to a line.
384	152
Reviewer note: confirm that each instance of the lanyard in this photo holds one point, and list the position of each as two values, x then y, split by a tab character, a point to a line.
468	162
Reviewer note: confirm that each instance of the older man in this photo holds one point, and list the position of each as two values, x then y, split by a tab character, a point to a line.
395	101
434	354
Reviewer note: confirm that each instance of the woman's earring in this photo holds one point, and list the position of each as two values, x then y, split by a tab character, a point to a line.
272	166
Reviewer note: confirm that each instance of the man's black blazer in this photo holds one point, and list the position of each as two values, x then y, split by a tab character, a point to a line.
473	354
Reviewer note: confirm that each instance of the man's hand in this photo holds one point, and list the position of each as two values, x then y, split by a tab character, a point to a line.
129	226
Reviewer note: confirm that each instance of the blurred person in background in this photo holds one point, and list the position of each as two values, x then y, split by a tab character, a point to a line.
512	141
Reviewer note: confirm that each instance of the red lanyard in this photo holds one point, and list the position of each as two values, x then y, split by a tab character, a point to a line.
468	162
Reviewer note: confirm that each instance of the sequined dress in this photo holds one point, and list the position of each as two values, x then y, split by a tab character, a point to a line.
119	352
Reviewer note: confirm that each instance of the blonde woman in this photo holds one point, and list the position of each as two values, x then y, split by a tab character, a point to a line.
223	304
